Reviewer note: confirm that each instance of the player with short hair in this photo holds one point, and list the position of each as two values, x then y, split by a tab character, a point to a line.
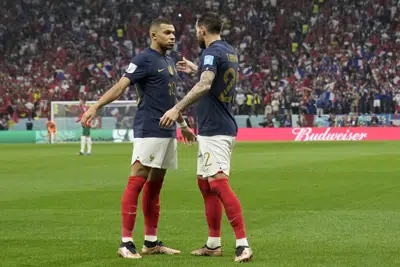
218	72
86	139
155	149
51	131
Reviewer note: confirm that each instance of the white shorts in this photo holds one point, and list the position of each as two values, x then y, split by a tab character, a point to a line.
155	152
377	103
214	155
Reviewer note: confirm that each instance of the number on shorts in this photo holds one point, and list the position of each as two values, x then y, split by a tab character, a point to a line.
207	158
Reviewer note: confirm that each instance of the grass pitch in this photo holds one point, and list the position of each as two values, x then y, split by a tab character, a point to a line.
305	204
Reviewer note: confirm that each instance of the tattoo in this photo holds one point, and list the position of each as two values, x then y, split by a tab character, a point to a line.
206	79
180	118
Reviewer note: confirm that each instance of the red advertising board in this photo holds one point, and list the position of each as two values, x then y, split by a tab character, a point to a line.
317	134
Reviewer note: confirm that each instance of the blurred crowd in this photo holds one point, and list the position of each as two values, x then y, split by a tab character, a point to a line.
301	57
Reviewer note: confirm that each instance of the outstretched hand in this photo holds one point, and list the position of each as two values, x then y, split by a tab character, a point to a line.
186	66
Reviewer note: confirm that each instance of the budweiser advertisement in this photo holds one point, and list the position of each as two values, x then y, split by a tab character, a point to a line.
317	134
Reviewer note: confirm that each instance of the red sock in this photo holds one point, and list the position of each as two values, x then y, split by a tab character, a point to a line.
151	206
213	207
129	204
231	204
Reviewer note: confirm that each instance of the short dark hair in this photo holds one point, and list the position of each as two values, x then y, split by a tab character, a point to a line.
157	22
211	21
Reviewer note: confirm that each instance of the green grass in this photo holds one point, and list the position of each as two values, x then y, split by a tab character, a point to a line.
305	204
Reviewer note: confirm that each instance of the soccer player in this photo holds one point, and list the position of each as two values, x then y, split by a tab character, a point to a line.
217	130
86	139
51	131
155	78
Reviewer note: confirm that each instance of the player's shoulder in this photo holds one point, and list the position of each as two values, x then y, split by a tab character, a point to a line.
211	50
143	56
141	60
219	50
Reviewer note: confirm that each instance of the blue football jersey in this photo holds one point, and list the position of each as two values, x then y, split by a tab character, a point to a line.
155	79
214	110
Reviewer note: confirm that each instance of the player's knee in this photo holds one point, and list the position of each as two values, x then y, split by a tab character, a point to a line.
156	174
137	169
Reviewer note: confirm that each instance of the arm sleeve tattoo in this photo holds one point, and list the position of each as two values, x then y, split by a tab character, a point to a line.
202	87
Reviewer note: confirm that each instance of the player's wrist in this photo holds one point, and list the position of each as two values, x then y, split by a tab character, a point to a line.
178	107
94	107
183	124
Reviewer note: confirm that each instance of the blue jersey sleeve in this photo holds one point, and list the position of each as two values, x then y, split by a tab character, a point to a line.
209	61
137	69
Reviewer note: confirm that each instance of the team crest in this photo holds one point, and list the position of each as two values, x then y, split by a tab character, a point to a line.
171	70
152	157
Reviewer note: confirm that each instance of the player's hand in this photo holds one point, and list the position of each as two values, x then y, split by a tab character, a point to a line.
169	118
186	66
188	136
88	116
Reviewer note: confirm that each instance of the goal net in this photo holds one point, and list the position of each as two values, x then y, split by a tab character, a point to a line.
113	123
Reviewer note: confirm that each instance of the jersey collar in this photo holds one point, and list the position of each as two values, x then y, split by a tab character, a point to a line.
216	41
156	52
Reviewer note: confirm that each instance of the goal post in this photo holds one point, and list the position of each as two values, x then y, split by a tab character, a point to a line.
113	122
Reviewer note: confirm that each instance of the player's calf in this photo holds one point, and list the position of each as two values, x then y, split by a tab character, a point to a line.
213	210
129	206
83	145
220	185
151	212
89	145
232	207
129	203
151	203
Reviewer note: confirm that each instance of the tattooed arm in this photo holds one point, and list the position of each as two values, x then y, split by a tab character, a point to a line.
202	87
172	115
180	118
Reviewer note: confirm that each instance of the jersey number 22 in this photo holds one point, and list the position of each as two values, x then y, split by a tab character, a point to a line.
230	79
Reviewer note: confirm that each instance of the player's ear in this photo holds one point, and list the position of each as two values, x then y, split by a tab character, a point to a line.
203	30
153	35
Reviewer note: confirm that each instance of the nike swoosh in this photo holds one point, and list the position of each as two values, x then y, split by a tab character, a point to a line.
160	70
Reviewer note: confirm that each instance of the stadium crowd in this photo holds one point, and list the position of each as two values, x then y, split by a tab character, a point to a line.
306	56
